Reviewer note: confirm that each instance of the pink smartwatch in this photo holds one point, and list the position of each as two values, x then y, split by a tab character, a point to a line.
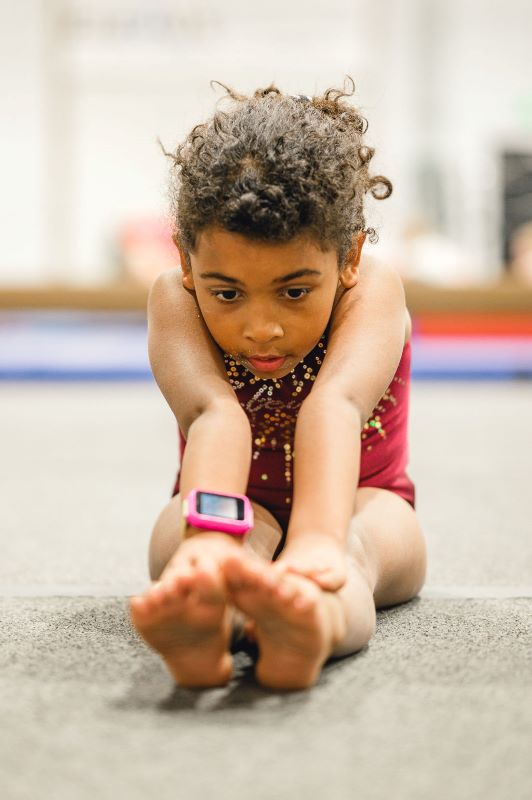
230	513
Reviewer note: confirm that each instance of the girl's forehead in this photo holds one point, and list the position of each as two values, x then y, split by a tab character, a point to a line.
215	244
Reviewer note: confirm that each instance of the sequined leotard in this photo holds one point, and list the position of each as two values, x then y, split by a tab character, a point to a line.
272	405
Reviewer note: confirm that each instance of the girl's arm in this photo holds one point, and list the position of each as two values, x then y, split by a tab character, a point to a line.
365	344
190	372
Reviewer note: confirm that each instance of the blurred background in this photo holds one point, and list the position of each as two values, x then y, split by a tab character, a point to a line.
88	86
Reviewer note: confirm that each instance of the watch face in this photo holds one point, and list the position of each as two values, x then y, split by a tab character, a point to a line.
217	505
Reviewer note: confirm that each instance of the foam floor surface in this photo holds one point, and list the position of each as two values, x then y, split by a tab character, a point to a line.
69	345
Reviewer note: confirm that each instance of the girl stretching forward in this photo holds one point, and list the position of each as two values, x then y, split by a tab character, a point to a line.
285	358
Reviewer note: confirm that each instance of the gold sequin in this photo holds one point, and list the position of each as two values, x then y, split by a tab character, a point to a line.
273	418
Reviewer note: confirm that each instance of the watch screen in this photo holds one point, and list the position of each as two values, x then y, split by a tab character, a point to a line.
217	505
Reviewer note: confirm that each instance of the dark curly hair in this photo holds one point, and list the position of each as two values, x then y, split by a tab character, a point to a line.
275	166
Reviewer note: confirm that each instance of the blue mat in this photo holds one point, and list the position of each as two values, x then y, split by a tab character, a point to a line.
100	346
71	345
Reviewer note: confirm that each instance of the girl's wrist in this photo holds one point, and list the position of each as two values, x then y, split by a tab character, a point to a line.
190	531
314	535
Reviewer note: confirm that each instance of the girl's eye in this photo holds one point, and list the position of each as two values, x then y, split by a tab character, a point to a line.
230	295
224	292
299	296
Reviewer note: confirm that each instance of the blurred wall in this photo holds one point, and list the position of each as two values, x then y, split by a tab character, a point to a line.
88	86
22	143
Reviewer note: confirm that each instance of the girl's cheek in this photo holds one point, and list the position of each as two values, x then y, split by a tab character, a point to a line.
209	307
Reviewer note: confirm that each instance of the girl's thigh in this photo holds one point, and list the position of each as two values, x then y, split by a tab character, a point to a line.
386	538
266	534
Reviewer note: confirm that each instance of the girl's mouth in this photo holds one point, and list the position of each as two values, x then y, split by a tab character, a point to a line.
267	364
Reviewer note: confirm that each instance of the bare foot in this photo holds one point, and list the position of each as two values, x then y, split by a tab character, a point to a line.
295	623
184	616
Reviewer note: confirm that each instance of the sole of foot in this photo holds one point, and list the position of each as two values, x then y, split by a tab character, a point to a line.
296	624
185	618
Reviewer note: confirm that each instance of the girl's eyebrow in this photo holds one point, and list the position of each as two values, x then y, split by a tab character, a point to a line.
300	273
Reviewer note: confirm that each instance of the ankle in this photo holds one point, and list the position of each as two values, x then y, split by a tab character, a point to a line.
338	617
360	561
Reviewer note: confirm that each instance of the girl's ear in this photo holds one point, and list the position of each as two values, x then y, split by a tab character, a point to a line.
350	270
188	281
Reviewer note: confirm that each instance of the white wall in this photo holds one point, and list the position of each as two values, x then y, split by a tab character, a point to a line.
22	135
88	86
482	100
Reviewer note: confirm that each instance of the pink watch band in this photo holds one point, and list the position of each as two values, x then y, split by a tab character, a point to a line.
217	511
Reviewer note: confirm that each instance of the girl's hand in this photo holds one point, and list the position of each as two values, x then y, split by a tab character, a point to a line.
318	557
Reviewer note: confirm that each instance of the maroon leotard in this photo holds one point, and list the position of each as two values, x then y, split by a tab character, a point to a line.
272	405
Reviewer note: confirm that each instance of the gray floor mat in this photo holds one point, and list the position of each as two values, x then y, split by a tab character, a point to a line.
436	707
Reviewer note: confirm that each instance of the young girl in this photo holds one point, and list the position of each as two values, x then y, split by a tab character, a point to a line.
268	206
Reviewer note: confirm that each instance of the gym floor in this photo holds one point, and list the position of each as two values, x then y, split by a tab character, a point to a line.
437	706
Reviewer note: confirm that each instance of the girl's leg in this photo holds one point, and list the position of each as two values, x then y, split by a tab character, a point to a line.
387	561
184	615
298	626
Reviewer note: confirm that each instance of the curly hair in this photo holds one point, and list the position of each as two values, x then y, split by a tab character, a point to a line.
276	166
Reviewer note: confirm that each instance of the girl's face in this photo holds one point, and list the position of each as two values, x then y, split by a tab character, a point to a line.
262	299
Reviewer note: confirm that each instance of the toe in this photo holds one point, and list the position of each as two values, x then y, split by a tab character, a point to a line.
286	591
138	605
154	596
208	590
308	596
236	574
206	565
304	603
176	584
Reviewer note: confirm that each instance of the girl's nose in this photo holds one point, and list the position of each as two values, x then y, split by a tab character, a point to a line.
263	331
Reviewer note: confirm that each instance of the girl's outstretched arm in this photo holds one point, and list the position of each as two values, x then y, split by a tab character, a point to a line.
190	372
365	343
